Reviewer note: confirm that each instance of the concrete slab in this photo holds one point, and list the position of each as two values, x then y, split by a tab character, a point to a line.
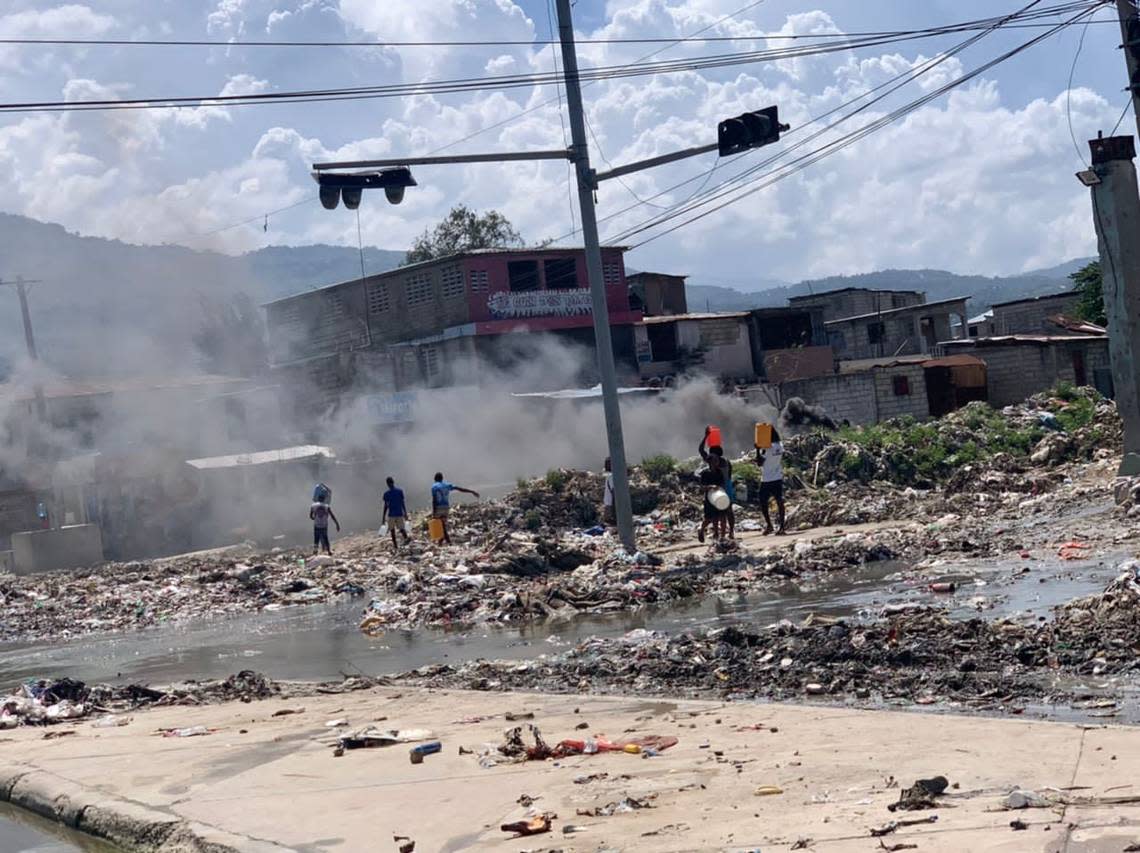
265	782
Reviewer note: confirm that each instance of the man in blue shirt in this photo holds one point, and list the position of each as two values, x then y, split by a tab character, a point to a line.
395	513
441	501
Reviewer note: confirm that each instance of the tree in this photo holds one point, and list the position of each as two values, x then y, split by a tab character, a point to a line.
461	231
1088	282
231	337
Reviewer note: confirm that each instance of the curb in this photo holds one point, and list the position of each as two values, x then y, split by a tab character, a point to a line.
134	827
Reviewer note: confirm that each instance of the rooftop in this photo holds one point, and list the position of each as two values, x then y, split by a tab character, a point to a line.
849	290
630	275
63	388
673	318
907	309
862	365
1067	294
537	250
1009	340
302	452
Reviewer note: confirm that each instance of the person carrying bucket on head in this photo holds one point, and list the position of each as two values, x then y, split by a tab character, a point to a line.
441	502
716	460
771	462
716	500
320	512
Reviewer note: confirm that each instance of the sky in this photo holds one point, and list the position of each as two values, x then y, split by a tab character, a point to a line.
980	180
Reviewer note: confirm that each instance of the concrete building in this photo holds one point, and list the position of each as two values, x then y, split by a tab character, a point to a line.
856	301
657	294
1030	316
1018	366
912	330
790	343
982	326
874	390
718	344
440	323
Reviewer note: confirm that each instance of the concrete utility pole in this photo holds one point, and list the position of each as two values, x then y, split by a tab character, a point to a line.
1116	211
29	336
1130	38
580	157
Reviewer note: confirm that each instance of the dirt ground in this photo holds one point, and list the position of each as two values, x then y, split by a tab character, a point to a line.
741	777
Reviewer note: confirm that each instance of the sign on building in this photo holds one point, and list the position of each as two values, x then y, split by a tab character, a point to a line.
393	408
540	303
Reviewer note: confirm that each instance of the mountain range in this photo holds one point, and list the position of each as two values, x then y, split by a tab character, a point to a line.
104	307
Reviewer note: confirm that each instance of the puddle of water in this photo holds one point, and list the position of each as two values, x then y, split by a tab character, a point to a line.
24	832
322	642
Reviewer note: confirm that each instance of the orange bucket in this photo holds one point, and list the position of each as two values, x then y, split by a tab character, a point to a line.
435	529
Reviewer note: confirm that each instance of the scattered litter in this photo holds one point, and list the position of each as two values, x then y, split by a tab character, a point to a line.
768	791
534	826
192	731
920	795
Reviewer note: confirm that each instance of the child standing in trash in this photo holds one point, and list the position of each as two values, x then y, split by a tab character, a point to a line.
395	513
320	512
441	501
771	462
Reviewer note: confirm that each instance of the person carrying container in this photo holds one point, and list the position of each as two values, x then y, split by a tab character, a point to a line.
771	462
320	512
395	513
716	460
441	501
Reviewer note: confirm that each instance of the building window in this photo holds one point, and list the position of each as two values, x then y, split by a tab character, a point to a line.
875	333
451	282
478	281
334	307
418	288
611	274
561	273
901	385
522	276
290	314
432	367
378	300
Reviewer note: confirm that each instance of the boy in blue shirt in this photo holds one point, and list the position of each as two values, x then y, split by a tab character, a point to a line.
395	512
441	501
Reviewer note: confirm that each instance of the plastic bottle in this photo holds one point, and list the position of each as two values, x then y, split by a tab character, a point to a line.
714	439
417	753
632	749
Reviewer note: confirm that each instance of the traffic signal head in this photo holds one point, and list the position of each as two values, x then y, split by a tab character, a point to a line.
751	130
350	186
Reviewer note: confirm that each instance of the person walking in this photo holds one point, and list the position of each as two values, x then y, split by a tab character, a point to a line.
441	501
771	462
395	513
608	515
716	460
320	512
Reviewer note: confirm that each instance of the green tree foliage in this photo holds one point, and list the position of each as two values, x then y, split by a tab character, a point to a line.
463	230
1088	283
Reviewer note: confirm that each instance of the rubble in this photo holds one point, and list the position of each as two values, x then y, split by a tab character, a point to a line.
917	655
48	701
539	553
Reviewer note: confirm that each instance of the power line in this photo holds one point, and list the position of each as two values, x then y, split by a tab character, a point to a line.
502	82
810	159
1069	93
670	40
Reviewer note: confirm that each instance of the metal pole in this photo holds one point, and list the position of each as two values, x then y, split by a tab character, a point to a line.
1127	10
29	337
630	168
580	156
501	157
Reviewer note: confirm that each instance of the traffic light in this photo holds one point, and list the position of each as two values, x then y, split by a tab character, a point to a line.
750	130
350	186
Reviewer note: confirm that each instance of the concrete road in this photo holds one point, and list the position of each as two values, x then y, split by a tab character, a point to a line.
262	782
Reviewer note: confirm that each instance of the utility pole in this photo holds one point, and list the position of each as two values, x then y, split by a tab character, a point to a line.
29	336
1116	212
1130	39
580	157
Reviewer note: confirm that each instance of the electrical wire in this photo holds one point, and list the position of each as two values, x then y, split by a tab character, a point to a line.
1123	113
503	82
232	43
842	143
1069	94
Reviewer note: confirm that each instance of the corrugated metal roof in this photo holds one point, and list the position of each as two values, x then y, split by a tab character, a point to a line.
263	457
671	318
1005	340
1031	299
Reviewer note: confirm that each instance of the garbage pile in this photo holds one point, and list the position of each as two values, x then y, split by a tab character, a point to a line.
915	654
47	701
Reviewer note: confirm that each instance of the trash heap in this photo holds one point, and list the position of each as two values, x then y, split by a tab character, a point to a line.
912	654
48	701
